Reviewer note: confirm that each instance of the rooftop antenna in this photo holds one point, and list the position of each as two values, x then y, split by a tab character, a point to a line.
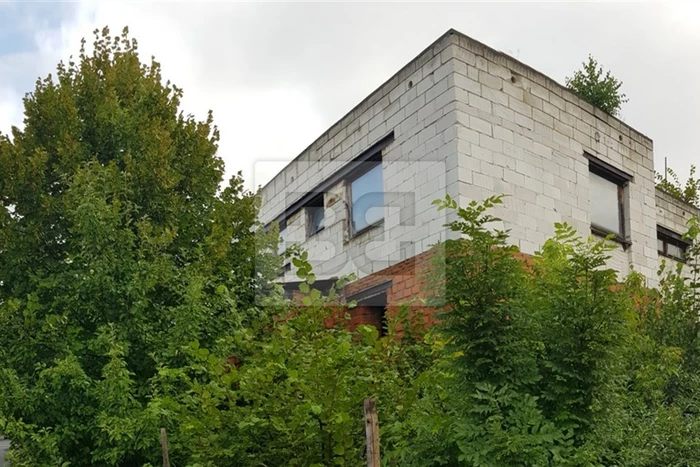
665	168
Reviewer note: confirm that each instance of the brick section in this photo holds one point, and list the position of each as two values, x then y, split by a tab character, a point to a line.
408	281
406	277
365	315
408	289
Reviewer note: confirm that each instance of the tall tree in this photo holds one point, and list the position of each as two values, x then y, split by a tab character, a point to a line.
118	247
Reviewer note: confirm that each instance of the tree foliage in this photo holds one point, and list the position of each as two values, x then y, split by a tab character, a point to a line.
598	89
555	361
117	249
296	397
671	184
136	293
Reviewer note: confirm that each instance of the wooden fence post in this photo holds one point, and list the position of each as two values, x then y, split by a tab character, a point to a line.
372	432
164	447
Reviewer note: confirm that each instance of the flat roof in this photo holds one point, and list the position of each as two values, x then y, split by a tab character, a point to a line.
488	52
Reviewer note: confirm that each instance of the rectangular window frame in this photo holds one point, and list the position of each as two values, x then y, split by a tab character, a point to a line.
316	203
622	180
363	169
339	176
669	237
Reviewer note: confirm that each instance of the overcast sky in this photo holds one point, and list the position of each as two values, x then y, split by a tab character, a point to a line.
277	75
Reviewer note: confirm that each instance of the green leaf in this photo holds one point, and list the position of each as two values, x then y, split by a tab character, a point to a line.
339	450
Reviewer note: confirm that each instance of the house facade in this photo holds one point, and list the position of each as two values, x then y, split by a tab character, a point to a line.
464	120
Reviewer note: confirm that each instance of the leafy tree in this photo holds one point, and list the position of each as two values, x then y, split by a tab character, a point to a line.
689	193
129	300
483	389
583	319
295	398
554	361
118	248
665	364
602	91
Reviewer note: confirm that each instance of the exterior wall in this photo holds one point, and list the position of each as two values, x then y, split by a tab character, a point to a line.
408	281
469	122
420	165
673	214
407	277
524	135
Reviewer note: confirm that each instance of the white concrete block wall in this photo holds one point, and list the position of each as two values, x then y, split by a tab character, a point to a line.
419	166
523	135
471	122
674	215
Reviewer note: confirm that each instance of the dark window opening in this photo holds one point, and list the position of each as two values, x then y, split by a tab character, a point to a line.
372	313
282	248
285	269
315	215
377	318
670	244
371	307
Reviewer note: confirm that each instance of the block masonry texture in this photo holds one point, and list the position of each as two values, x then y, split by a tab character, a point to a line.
470	122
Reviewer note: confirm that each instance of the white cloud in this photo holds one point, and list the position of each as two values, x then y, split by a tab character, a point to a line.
277	75
257	122
9	108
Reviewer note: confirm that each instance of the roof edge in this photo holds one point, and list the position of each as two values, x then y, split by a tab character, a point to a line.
371	95
475	44
677	201
546	77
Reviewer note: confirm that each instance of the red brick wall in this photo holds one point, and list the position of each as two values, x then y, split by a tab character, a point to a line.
407	288
408	280
365	315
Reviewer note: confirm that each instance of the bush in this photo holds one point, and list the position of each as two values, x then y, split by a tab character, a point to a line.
602	91
553	361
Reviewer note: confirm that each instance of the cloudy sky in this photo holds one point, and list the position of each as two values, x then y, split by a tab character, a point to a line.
277	75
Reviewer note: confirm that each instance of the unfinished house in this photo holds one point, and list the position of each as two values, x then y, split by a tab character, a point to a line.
466	120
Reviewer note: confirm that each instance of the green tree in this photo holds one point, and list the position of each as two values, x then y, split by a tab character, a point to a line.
583	317
661	422
118	248
554	361
596	88
484	388
296	396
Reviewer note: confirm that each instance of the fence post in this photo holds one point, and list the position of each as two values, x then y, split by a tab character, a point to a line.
372	432
164	447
